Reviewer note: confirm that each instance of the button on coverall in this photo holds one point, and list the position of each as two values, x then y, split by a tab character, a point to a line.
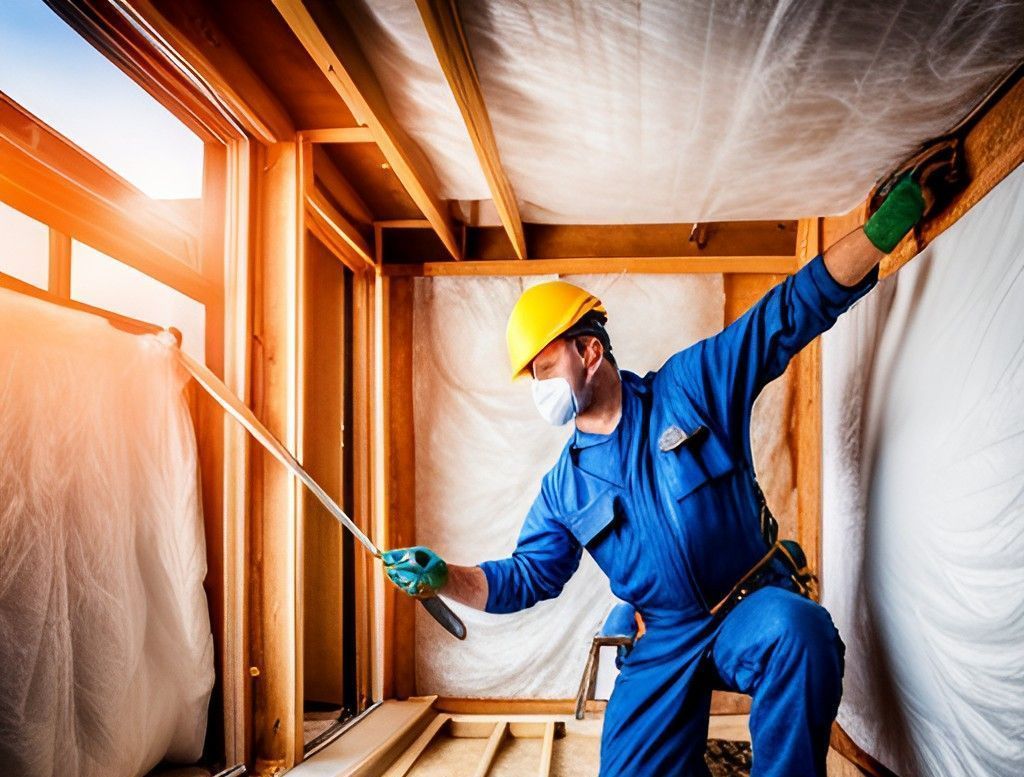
674	530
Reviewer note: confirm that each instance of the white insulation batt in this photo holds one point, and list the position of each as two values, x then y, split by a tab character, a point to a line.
924	501
106	655
690	110
482	448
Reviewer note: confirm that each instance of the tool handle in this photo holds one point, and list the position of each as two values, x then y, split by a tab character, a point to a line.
443	614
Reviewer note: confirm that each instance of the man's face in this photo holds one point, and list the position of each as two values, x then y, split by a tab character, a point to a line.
561	359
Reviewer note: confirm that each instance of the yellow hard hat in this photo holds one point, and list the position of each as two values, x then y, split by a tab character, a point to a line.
541	314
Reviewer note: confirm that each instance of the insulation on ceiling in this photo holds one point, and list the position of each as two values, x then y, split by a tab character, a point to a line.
481	450
669	111
923	490
105	643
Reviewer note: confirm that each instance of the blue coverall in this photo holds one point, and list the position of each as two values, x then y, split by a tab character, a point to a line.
674	530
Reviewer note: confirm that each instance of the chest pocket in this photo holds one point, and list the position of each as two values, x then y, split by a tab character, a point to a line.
696	460
593	518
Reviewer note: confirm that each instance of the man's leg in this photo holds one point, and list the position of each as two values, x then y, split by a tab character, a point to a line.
656	722
784	651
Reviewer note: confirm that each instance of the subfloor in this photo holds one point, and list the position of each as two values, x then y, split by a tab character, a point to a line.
575	750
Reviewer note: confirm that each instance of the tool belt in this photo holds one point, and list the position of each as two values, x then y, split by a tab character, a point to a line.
788	552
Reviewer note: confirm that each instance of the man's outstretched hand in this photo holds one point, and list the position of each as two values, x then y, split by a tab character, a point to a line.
418	571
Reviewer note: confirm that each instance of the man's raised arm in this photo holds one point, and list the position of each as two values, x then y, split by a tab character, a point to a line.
725	373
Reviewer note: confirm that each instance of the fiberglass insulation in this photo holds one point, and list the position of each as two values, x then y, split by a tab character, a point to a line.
106	655
924	501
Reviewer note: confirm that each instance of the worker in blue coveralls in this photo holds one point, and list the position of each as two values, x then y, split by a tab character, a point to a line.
656	483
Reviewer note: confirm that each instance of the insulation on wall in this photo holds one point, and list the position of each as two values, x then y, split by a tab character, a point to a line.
690	110
105	636
481	450
923	539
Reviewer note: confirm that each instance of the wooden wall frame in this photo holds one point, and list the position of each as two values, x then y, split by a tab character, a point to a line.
244	263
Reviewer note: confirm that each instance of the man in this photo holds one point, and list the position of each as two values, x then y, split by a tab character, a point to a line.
657	484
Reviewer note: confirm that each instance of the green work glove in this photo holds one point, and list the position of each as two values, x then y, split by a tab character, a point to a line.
896	216
418	571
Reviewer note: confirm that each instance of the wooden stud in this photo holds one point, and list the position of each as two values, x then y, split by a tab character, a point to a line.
342	62
339	135
399	482
493	744
59	279
806	419
363	343
237	252
277	638
585	265
441	18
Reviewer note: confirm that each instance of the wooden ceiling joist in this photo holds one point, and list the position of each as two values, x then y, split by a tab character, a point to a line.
188	28
337	54
441	18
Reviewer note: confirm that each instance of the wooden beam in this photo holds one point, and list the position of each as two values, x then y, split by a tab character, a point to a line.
444	26
59	279
47	177
992	149
336	232
416	245
402	224
405	762
581	265
339	135
547	750
342	62
191	31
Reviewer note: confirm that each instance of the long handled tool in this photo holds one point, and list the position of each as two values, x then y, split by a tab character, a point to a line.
237	409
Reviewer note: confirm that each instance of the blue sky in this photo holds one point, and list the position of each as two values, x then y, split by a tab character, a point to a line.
47	68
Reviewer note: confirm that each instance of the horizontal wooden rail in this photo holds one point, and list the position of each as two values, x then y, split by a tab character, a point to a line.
587	265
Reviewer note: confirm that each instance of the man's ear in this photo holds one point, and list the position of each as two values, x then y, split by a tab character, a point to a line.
593	354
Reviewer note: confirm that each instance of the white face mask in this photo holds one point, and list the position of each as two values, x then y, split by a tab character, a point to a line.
554	400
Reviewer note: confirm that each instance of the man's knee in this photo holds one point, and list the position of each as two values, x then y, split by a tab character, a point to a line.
801	632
